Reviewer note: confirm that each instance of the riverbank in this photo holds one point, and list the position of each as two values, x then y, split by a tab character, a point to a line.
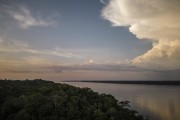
39	99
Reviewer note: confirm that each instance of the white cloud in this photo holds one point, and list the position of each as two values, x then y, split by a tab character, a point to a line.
157	20
164	55
27	19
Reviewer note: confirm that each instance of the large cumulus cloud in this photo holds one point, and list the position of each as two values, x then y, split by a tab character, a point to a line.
156	20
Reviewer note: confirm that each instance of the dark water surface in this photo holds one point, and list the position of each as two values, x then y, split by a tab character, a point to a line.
157	102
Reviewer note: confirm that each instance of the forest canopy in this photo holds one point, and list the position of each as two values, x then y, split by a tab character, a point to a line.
45	100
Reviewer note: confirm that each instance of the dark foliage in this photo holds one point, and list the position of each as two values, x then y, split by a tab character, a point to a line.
45	100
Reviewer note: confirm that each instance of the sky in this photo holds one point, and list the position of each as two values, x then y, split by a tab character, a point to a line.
90	39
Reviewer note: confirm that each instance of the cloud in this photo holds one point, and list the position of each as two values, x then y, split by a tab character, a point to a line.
12	45
95	67
103	2
26	18
17	56
155	20
15	46
164	55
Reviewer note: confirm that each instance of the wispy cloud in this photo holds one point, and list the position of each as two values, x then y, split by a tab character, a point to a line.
36	61
19	57
15	46
103	1
26	18
12	45
33	63
156	20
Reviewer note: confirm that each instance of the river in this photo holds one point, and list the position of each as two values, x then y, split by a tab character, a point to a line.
155	102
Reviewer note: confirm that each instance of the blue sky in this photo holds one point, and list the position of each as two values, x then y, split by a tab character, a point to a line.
85	39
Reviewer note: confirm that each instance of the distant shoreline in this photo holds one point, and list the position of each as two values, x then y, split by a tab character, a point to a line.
131	82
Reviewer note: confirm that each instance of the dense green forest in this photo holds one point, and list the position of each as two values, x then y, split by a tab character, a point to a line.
46	100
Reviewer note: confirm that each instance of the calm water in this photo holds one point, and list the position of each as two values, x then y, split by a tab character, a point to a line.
153	101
